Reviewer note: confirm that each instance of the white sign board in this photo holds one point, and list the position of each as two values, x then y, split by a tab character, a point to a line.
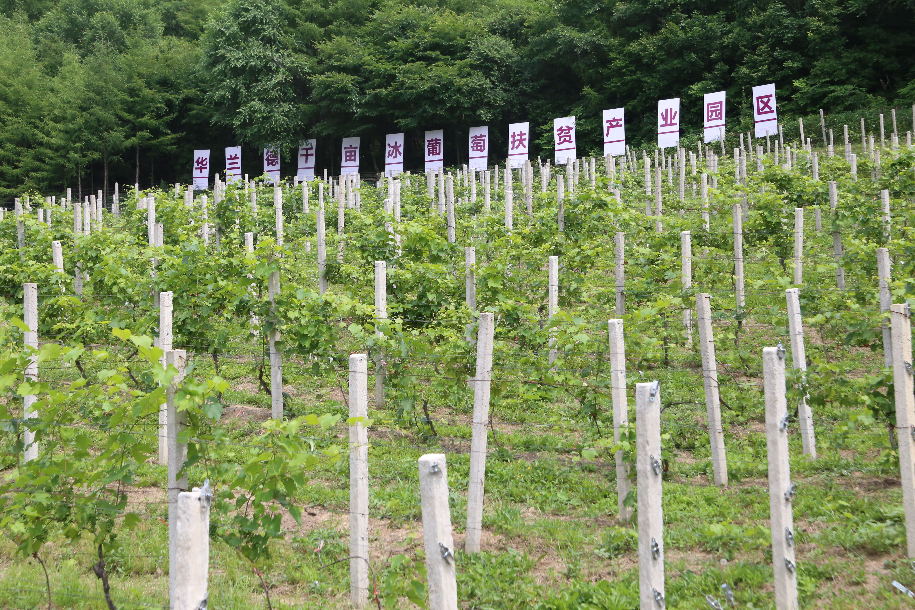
764	116
669	122
478	147
306	168
201	171
349	156
614	132
393	154
564	140
713	117
518	144
434	150
233	163
272	165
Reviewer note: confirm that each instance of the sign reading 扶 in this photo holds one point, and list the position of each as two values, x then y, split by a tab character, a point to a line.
614	132
764	116
201	171
434	150
713	117
233	163
306	169
564	140
669	122
518	144
478	147
349	156
393	154
272	165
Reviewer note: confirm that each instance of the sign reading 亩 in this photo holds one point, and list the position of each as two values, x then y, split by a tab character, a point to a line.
669	122
478	147
434	150
233	163
201	171
349	155
272	164
614	132
764	116
713	117
393	154
306	168
518	144
564	140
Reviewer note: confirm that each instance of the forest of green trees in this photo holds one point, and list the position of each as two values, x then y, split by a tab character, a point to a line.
98	91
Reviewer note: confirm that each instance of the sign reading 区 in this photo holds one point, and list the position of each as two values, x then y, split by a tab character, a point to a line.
764	116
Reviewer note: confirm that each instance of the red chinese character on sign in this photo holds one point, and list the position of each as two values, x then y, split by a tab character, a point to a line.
613	123
714	111
232	162
564	134
201	164
349	153
669	117
433	147
518	140
478	143
394	150
306	153
271	158
764	104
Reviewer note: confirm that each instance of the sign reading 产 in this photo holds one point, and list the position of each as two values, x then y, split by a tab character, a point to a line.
233	163
349	156
434	149
518	144
272	164
564	140
669	122
764	116
201	171
306	169
614	132
393	154
713	117
478	147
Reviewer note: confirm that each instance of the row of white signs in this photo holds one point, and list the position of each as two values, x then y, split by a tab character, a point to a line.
765	120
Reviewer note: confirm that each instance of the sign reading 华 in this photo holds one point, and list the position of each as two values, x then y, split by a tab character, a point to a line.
764	116
478	147
306	169
349	156
713	117
669	122
201	172
233	163
518	144
272	164
614	127
434	150
564	140
393	154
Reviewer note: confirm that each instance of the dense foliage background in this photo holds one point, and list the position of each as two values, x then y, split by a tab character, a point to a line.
126	89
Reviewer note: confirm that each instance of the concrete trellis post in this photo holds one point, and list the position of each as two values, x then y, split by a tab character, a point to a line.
703	190
620	412
686	278
30	341
904	389
710	380
177	455
798	246
650	514
509	208
276	359
560	203
837	247
884	270
322	241
358	482
478	443
737	215
658	202
470	283
164	342
887	218
189	567
449	206
853	166
781	490
552	300
381	314
799	361
620	272
278	213
57	256
437	539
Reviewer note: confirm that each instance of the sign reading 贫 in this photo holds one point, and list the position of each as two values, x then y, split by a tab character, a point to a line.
764	116
564	140
434	150
349	155
614	127
478	147
713	117
393	154
201	172
518	144
233	163
669	122
306	168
